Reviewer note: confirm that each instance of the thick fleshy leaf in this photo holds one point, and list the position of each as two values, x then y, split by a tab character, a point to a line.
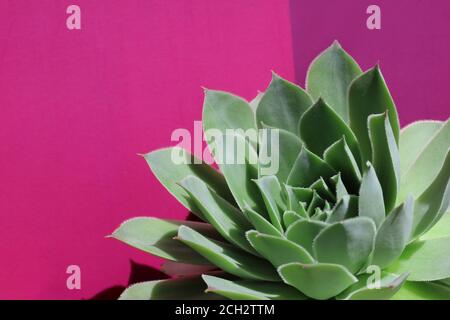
339	186
316	202
179	269
255	102
340	158
226	219
425	260
239	168
418	173
278	250
171	289
295	195
282	105
389	285
317	138
222	111
307	169
278	151
434	202
368	94
303	232
422	291
329	77
289	217
371	203
271	193
251	290
346	208
227	257
318	281
260	223
155	236
169	173
321	187
347	243
385	157
440	229
393	235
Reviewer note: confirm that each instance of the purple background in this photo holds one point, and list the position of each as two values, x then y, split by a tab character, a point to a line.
76	107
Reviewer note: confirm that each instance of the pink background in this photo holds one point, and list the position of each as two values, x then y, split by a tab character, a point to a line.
76	107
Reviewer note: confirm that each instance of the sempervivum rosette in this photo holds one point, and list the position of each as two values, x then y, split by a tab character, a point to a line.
353	198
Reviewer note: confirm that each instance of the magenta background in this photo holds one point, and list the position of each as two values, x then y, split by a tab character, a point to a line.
76	107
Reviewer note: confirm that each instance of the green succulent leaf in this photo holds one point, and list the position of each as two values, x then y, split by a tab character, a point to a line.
423	148
222	111
321	187
227	257
278	250
239	170
371	203
289	217
330	75
339	186
278	151
368	94
340	158
295	195
348	243
422	291
307	169
303	232
271	192
282	105
425	260
393	235
254	103
260	223
389	285
385	157
318	281
169	174
432	204
346	208
251	289
440	230
224	217
317	138
171	289
316	203
155	236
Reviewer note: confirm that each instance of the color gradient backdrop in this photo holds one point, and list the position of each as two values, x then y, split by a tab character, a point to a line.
77	106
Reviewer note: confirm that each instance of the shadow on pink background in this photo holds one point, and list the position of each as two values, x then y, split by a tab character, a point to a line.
76	107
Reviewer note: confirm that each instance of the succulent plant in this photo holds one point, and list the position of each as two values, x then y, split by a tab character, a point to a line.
354	200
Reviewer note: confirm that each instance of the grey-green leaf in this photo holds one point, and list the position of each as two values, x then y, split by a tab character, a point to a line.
368	94
425	260
227	257
307	169
371	203
282	105
347	243
423	148
393	235
226	219
329	77
346	208
303	232
171	165
318	281
318	138
278	250
251	289
431	205
271	193
385	158
171	289
155	236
